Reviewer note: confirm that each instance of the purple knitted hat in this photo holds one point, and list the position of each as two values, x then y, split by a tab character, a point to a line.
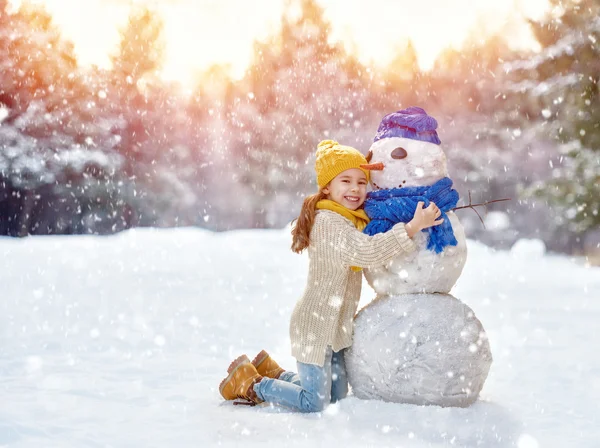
413	123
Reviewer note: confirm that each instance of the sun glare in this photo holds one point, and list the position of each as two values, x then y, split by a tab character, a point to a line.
199	34
378	30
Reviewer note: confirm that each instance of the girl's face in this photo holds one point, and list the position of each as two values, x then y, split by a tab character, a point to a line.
349	188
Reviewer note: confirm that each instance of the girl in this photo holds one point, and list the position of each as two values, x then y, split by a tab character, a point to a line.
329	226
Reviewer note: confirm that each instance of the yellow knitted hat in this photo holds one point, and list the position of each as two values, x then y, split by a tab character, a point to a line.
333	158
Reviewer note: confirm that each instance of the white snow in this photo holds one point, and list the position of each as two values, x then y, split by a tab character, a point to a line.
497	220
122	341
528	248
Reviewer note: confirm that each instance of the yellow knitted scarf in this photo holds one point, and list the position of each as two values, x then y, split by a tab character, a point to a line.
358	217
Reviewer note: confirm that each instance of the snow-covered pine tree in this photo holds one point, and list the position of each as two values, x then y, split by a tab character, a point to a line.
300	89
159	162
400	80
561	84
38	137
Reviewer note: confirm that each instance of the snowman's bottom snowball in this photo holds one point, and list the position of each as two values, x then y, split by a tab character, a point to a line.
420	349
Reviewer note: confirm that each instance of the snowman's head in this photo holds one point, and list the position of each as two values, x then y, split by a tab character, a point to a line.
406	151
402	162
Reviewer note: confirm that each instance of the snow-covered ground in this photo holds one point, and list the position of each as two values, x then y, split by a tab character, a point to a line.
122	341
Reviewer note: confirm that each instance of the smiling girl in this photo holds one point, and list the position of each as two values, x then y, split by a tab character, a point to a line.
329	226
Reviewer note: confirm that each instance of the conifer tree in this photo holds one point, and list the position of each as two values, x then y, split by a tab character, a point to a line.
566	94
300	89
153	152
42	137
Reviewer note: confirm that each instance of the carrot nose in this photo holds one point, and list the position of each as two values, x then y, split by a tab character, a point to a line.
373	166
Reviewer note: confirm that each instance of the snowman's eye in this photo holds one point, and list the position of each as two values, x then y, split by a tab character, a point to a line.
399	153
369	156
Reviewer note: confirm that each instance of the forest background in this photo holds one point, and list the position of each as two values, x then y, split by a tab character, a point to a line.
91	150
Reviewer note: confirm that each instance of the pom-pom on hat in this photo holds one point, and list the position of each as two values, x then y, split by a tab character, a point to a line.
413	123
333	158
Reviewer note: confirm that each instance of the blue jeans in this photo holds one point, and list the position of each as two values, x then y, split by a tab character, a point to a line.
311	389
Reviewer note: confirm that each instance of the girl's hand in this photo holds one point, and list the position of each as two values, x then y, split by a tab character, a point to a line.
424	218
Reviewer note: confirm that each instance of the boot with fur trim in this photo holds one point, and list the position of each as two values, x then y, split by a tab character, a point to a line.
266	366
242	376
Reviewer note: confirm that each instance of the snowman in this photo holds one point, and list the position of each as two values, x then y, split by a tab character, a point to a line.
416	343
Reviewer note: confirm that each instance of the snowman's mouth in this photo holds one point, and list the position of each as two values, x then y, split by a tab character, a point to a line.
379	188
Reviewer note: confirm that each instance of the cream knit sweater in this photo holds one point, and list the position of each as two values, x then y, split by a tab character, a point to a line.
324	315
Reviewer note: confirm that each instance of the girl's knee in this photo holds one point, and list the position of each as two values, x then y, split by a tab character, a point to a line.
315	406
313	402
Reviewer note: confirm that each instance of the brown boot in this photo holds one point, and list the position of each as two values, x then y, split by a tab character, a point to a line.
265	365
240	381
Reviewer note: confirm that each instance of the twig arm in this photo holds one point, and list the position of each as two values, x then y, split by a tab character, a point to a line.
480	205
483	204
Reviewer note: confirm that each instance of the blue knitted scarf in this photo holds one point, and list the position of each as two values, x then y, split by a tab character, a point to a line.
389	207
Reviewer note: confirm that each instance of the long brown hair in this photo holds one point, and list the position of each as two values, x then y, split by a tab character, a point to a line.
302	225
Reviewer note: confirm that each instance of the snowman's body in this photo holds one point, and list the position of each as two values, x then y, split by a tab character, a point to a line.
416	343
422	271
